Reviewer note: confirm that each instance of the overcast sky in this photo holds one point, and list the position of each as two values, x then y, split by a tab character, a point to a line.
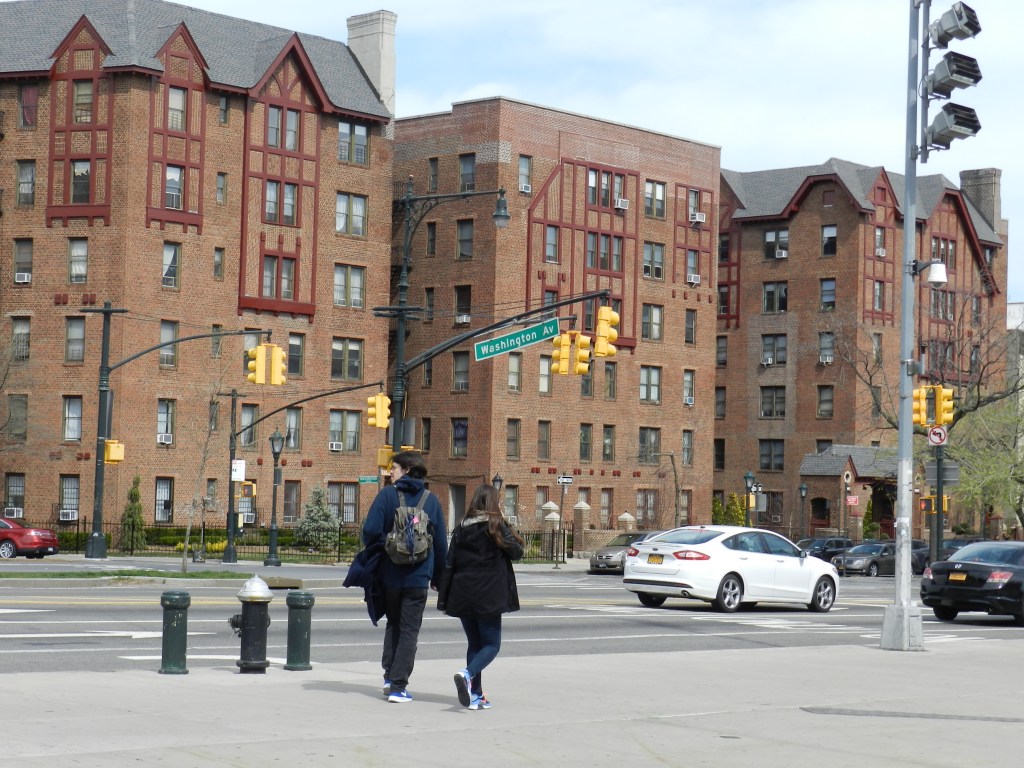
774	83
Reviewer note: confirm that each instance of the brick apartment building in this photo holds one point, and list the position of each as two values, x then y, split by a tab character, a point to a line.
594	205
809	284
206	174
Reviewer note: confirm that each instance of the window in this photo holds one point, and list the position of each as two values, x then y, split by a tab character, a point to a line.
222	188
343	500
515	372
425	425
723	300
347	359
78	260
290	500
291	130
353	142
460	437
273	126
975	359
591	250
26	182
350	214
544	380
165	418
213	416
344	427
592	187
525	170
654	199
551	244
288	279
512	430
608	442
616	254
826	343
20	338
164	499
828	294
81	172
587	382
688	386
431	238
879	296
776	244
348	286
586	442
650	384
510	503
215	341
550	297
825	397
610	371
774	348
467	173
14	490
718	460
828	240
721	350
17	417
168	354
223	110
975	306
72	428
650	324
773	402
81	91
543	440
771	455
428	305
654	260
432	174
876	348
692	263
173	176
723	248
23	258
686	449
692	202
28	102
774	297
293	428
650	445
271	210
720	402
247	438
463	303
428	373
465	236
607	494
70	492
218	263
74	339
460	371
691	326
172	258
880	242
289	211
176	109
296	354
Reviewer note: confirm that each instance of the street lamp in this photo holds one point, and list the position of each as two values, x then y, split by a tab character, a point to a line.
497	481
416	207
803	518
276	444
748	480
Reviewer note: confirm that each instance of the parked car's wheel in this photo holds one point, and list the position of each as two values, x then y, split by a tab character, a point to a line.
649	600
730	594
824	596
945	613
873	569
8	550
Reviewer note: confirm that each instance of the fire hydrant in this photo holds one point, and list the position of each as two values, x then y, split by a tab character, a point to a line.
251	626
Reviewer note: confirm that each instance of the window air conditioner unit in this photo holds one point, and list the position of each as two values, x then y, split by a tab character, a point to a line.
880	253
164	438
776	518
693	279
14	512
525	188
23	277
621	204
825	359
781	253
698	218
334	447
249	518
68	515
688	402
462	319
766	361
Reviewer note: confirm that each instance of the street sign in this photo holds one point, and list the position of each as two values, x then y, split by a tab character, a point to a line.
368	478
238	470
510	342
950	473
937	436
564	480
852	501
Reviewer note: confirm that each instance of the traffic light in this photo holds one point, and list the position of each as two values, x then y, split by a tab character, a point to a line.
113	451
560	354
378	411
582	365
954	71
607	320
246	490
943	405
384	454
278	365
920	405
257	364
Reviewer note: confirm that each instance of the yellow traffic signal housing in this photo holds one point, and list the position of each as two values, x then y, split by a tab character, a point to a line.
929	507
560	354
257	364
919	405
607	320
113	451
582	364
247	490
278	365
384	454
943	405
378	411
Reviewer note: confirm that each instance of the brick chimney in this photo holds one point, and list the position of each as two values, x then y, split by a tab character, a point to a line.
983	188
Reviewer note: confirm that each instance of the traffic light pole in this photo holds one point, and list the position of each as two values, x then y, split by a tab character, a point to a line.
940	524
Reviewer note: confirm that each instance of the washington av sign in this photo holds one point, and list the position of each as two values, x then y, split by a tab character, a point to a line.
510	342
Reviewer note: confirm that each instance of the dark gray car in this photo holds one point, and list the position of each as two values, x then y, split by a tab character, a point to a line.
610	557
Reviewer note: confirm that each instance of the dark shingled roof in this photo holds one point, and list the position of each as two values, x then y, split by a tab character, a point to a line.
765	194
867	462
238	52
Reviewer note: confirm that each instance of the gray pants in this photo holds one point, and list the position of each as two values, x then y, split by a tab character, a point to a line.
404	611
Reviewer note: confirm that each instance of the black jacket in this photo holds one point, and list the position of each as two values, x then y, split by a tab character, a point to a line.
483	582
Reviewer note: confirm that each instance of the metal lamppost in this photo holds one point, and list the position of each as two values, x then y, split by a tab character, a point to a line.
497	481
803	518
748	480
276	445
416	207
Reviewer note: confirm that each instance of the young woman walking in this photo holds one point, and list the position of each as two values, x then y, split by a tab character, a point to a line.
483	586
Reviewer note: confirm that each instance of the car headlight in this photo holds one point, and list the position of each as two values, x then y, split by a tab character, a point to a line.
857	563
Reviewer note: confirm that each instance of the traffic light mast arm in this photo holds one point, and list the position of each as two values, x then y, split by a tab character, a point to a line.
171	343
444	346
292	404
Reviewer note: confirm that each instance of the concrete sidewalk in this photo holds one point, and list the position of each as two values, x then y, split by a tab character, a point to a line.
957	703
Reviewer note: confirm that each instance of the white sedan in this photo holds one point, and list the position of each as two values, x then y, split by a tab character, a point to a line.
728	566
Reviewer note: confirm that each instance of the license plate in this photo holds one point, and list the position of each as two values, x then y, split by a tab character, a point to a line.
655	559
958	577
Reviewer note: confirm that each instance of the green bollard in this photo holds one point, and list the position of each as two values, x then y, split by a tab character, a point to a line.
172	660
300	619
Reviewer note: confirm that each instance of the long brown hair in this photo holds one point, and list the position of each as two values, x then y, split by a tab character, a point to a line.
485	501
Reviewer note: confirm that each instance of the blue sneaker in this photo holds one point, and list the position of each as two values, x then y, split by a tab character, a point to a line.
399	697
479	702
387	688
463	684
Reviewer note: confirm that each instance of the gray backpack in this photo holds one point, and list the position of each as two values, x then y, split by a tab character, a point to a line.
411	536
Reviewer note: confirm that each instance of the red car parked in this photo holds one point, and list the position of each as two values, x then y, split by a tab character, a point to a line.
19	539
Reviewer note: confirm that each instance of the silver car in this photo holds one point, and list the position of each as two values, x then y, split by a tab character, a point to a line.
610	557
